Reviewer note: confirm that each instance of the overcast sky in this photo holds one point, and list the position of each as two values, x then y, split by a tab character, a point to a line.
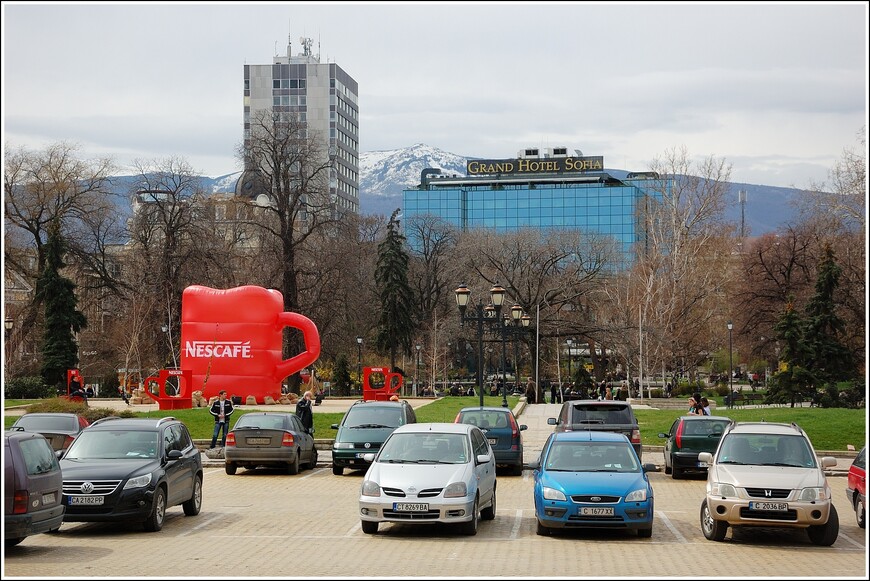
778	90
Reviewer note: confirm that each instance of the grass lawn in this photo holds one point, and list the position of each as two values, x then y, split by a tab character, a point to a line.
828	428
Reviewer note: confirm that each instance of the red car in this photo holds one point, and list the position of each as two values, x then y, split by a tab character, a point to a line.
856	487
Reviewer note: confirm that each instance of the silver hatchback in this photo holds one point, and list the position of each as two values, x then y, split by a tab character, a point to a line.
430	473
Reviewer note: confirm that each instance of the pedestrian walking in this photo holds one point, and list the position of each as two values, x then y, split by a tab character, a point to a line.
221	409
303	412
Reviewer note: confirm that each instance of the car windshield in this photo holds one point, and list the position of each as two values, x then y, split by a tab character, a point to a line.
766	450
426	448
601	414
113	445
705	427
373	417
485	419
591	457
260	421
32	423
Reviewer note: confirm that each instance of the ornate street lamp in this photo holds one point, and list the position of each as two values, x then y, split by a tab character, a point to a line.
730	372
489	316
570	343
416	363
359	361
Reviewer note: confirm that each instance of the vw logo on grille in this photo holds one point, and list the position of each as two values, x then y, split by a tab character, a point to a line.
595	499
367	445
87	487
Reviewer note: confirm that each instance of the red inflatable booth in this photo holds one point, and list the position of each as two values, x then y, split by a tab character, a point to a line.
380	384
232	339
181	396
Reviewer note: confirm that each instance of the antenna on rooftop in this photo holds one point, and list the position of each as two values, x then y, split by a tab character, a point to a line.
741	198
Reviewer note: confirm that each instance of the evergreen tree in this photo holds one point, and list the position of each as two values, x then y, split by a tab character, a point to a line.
395	326
828	358
796	378
62	318
341	376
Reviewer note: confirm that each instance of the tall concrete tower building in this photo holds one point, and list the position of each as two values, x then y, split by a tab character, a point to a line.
325	98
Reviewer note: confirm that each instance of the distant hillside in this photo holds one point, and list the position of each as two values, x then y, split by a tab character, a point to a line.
384	175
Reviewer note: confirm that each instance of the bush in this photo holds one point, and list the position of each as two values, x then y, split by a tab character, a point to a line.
61	405
27	388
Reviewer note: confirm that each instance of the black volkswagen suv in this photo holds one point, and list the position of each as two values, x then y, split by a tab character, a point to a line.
121	469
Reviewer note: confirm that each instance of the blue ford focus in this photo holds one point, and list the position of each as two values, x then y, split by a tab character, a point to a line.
592	480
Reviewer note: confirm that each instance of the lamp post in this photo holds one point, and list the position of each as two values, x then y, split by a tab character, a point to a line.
359	361
730	364
7	326
416	362
446	366
570	343
480	317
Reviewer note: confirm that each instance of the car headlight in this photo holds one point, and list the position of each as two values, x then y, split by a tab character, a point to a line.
722	489
553	494
342	445
456	490
138	481
638	495
370	488
810	494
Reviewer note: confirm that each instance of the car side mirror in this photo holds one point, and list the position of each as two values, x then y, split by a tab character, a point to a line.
828	461
649	467
551	421
663	435
534	465
705	457
59	453
174	455
523	427
334	426
369	457
483	458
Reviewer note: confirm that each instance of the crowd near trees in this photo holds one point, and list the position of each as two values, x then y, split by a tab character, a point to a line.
86	289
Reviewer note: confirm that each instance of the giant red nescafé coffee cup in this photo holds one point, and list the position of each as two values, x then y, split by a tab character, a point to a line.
232	339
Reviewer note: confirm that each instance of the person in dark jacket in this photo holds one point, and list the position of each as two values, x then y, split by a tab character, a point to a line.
221	409
304	413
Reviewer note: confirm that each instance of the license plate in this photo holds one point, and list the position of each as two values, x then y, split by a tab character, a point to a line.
48	498
86	500
410	507
258	441
596	511
775	506
493	440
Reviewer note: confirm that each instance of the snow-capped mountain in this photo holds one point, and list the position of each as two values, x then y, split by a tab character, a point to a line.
387	173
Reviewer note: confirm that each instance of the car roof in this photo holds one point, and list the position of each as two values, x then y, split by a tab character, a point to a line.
588	436
765	428
116	423
477	408
378	403
436	427
694	418
596	402
49	414
21	434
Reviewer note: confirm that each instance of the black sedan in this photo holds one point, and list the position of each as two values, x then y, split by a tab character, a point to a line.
271	439
60	429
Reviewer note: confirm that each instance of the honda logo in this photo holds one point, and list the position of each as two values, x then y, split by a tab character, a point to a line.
768	494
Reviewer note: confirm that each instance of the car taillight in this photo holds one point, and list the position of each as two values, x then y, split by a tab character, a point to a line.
67	441
287	440
231	439
678	437
635	436
19	502
515	430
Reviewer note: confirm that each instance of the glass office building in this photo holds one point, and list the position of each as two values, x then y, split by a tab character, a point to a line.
590	201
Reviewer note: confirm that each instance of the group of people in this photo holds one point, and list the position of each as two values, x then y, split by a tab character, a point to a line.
699	406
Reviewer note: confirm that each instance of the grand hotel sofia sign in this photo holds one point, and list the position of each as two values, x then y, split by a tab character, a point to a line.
525	166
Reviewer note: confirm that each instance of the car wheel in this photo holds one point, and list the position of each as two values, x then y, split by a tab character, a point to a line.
369	527
676	473
489	512
12	542
644	533
667	466
154	522
191	506
470	527
826	534
860	513
517	469
713	529
230	468
337	470
541	529
293	467
313	463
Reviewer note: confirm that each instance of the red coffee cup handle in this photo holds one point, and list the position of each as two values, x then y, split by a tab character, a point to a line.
311	338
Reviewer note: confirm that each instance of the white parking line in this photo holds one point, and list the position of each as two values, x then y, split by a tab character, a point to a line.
850	539
352	530
518	520
313	473
671	527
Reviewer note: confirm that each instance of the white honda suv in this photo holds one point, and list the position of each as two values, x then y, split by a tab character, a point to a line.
767	475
